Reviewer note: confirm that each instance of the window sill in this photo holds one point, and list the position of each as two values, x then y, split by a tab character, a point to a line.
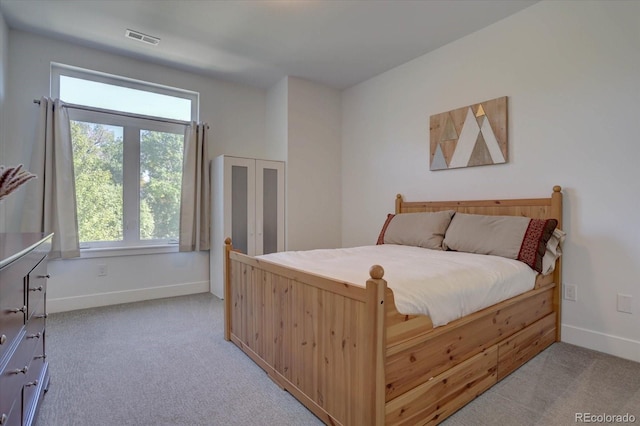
89	253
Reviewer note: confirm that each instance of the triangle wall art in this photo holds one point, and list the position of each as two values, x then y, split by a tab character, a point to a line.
475	135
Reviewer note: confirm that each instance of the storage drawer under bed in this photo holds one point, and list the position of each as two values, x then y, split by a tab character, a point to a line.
524	345
442	395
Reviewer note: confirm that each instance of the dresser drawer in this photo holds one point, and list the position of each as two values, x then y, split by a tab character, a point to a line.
35	328
17	370
36	287
35	336
20	380
12	305
13	376
32	385
37	324
12	417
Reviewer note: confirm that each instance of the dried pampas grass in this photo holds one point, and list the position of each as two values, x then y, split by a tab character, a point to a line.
11	178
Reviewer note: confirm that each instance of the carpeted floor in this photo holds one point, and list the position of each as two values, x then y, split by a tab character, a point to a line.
165	362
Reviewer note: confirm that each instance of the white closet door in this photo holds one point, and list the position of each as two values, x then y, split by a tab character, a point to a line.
269	206
240	196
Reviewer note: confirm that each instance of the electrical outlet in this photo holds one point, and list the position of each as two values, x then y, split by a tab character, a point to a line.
570	292
102	270
625	302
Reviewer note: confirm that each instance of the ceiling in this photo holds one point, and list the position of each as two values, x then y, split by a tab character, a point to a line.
258	42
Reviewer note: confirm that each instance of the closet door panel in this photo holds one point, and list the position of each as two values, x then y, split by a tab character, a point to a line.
240	203
269	206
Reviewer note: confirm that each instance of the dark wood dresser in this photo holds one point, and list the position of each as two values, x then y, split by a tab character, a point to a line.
24	375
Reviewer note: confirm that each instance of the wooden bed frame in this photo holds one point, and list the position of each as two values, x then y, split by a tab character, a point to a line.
347	354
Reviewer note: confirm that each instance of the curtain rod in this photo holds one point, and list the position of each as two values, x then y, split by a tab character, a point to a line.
124	114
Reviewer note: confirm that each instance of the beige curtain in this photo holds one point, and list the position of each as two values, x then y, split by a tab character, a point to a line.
195	198
50	201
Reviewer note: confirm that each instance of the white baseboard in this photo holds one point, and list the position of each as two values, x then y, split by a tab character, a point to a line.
64	304
601	342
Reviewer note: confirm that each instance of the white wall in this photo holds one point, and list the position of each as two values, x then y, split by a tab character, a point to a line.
570	70
313	166
4	63
277	120
304	130
235	113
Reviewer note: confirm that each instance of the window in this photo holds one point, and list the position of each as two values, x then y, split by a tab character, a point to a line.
127	139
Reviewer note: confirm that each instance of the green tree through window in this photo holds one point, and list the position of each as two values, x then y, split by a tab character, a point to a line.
160	181
97	160
98	152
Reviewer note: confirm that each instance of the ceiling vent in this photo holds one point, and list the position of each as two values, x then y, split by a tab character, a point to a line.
143	38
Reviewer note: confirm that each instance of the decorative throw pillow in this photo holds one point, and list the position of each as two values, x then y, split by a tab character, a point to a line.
553	251
384	229
424	229
513	237
535	240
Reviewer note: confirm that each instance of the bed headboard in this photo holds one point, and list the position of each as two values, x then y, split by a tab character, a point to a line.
535	208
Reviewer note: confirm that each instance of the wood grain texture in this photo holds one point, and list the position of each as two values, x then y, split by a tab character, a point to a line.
446	134
347	353
442	395
522	346
310	337
417	360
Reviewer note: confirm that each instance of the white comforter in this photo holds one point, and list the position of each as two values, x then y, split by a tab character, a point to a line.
442	284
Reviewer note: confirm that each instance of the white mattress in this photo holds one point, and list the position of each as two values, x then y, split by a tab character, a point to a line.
445	285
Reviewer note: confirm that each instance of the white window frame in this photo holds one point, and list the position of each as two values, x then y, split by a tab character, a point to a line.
132	123
58	70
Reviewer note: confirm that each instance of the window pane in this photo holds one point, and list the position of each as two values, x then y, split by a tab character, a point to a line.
160	183
97	160
118	98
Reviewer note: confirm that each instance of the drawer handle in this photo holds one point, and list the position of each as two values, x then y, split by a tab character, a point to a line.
44	276
34	383
43	356
3	418
16	310
3	339
34	336
45	316
22	370
39	288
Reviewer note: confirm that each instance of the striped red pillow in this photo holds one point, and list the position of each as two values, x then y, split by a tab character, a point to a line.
534	242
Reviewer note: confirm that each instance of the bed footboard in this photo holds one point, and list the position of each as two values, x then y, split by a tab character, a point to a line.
319	339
